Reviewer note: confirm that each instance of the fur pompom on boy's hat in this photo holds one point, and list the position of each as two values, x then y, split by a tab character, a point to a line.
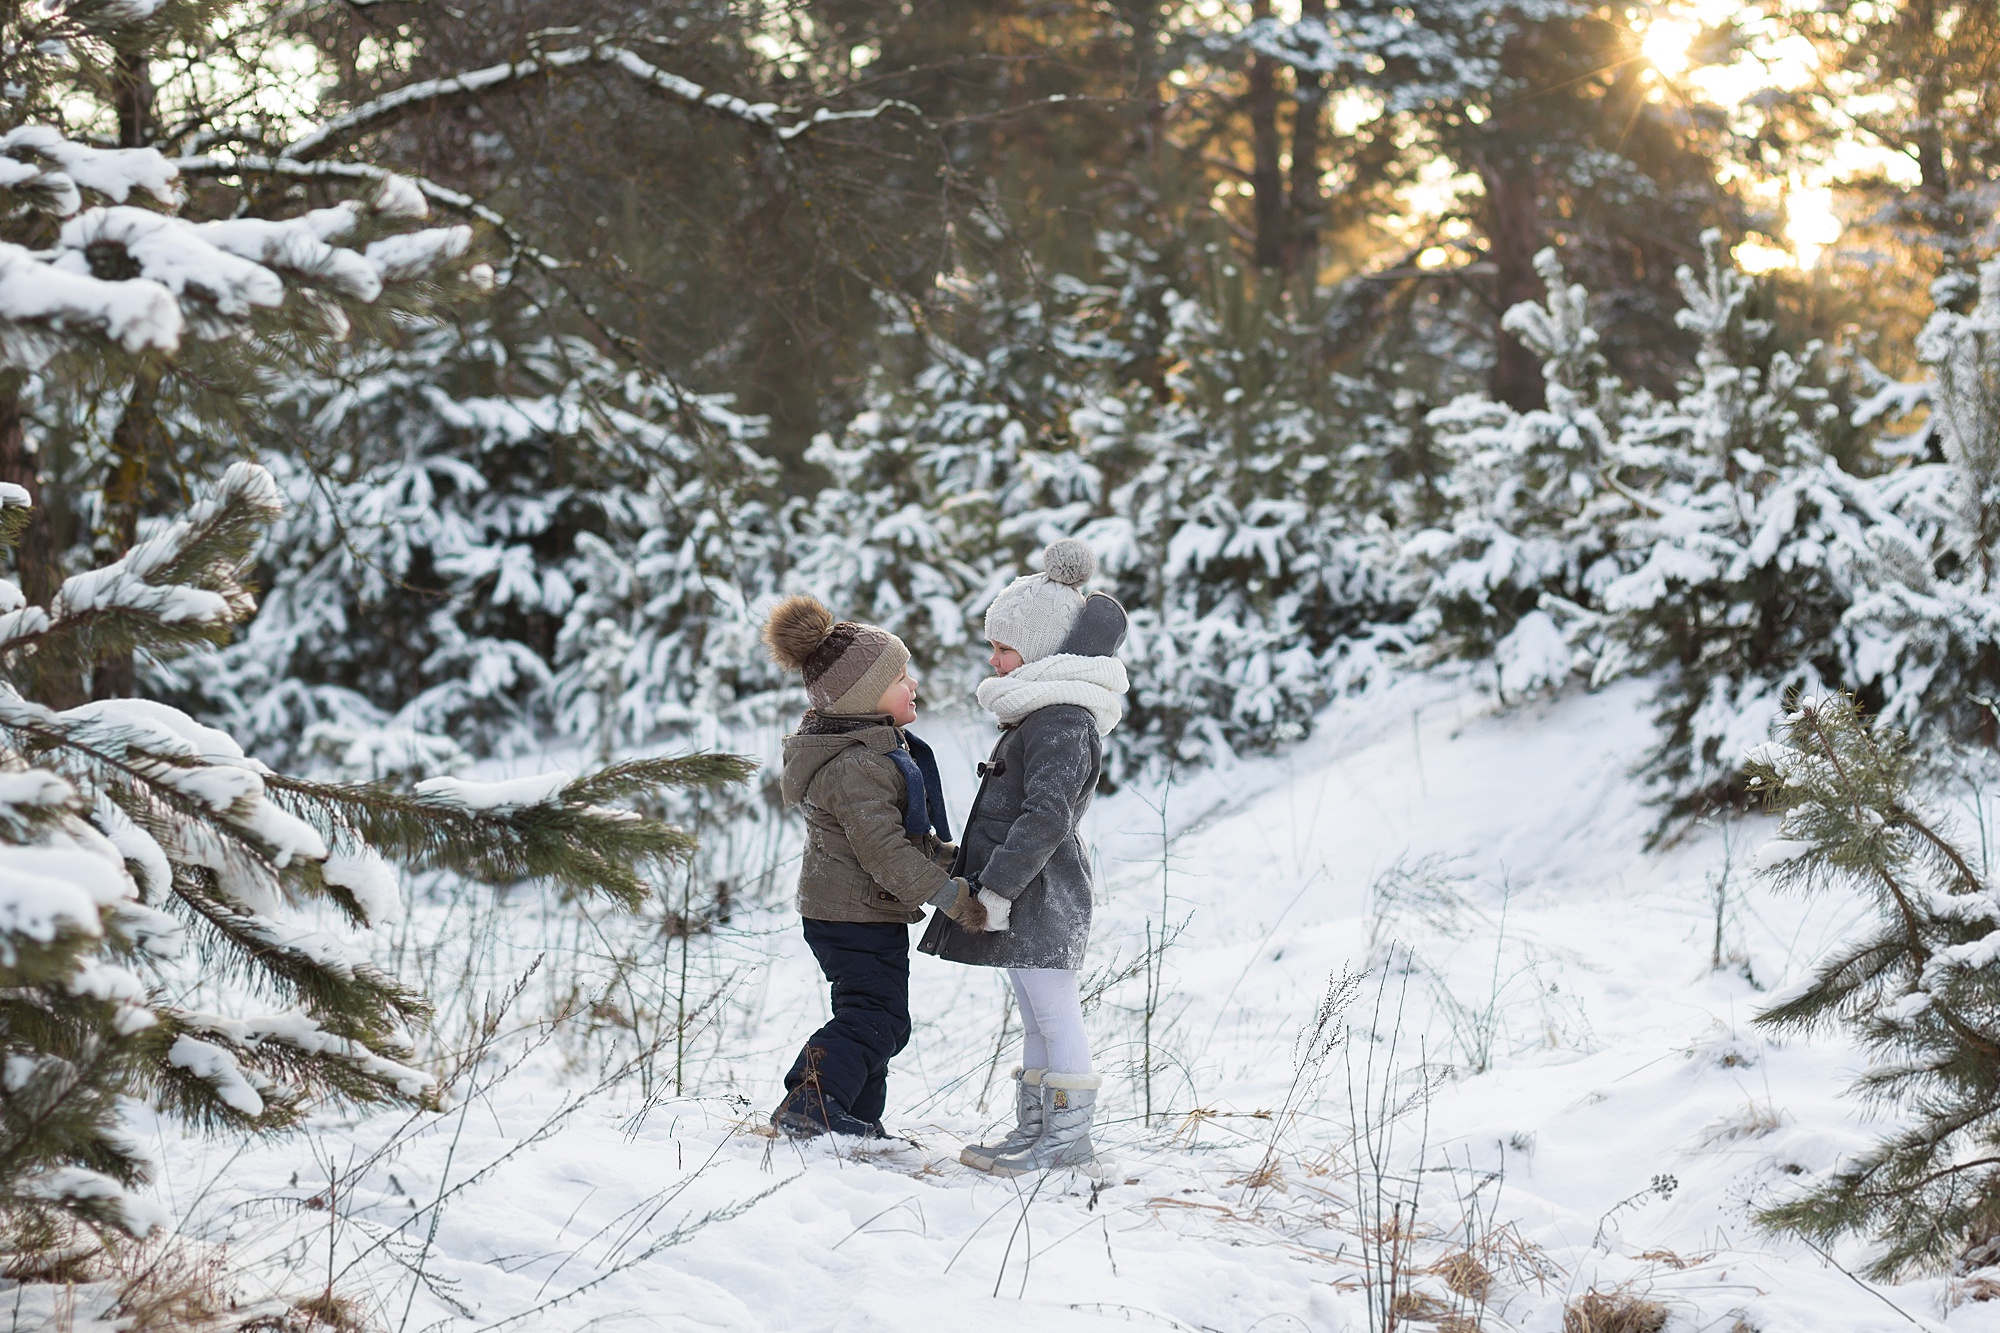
1033	615
846	666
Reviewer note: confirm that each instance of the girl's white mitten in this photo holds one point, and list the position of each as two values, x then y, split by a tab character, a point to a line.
997	909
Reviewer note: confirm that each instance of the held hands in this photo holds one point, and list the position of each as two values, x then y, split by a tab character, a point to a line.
974	909
963	906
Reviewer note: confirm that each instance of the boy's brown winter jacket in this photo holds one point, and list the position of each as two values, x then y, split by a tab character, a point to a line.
859	864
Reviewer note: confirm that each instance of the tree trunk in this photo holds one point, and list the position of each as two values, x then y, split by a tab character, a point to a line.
133	441
1514	233
1267	182
1302	224
38	555
1144	19
132	90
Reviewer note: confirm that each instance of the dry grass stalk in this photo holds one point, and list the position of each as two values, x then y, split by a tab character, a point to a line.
1418	1307
1753	1121
327	1310
1458	1323
1613	1312
1967	1289
1269	1174
171	1287
1465	1275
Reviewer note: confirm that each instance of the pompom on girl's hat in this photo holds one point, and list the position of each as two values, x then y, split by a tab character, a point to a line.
846	666
1033	615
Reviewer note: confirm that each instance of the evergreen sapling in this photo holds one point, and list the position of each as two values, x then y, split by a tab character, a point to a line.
1919	988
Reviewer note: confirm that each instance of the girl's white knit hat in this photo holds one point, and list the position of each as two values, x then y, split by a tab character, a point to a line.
1033	615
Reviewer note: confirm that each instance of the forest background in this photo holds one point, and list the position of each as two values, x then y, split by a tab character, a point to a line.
908	294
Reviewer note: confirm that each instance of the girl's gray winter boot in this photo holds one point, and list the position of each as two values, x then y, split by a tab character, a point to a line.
1068	1102
1027	1123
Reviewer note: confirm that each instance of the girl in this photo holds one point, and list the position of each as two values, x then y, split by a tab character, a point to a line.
1057	695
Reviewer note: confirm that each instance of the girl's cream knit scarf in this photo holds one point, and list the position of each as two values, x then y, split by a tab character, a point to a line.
1096	683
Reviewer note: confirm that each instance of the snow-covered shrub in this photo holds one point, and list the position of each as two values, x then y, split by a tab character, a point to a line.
476	519
1710	539
1187	437
1736	542
1255	587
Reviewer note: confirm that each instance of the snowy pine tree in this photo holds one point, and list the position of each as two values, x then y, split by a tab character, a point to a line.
161	889
1256	583
1923	634
1918	988
1177	426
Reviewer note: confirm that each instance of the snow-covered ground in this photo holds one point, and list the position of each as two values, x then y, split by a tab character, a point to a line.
1601	1114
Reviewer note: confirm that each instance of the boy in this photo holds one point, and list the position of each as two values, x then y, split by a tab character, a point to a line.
876	852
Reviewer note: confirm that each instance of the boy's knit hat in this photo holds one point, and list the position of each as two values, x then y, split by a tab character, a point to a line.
846	666
1033	615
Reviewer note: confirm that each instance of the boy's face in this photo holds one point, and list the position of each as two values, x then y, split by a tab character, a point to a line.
1004	660
899	701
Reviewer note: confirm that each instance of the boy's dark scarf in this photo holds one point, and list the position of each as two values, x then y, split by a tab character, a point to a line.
923	789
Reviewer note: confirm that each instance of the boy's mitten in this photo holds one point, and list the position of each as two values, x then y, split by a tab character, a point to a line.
962	903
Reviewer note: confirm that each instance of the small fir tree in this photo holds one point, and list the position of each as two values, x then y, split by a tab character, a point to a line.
1530	513
1919	988
479	512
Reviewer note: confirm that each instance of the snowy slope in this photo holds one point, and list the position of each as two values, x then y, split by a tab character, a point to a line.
1526	959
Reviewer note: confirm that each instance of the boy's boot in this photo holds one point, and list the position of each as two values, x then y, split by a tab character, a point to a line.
1027	1123
807	1112
805	1115
1068	1101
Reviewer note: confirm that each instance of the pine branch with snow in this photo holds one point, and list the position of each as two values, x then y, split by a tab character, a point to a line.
1918	988
74	1025
135	835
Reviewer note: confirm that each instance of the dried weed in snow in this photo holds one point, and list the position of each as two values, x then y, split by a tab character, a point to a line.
1613	1312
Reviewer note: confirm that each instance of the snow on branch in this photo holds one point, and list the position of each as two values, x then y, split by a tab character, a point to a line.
768	117
42	303
299	1031
50	171
141	278
185	579
399	193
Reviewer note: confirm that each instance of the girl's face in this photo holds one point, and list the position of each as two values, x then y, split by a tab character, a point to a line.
899	701
1004	660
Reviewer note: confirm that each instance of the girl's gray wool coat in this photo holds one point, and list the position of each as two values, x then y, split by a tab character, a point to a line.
1021	842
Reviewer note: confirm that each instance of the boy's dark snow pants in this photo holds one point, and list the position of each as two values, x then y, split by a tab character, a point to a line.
868	965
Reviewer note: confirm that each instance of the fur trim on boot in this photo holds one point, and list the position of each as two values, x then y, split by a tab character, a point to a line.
1027	1123
1069	1101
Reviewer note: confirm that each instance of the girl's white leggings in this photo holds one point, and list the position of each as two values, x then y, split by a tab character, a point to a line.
1051	1020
